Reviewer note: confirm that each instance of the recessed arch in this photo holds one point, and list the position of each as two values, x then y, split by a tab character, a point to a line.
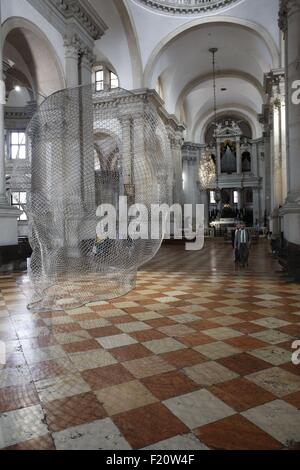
133	43
261	32
203	120
26	26
224	74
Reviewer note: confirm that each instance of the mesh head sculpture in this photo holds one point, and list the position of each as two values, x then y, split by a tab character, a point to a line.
88	150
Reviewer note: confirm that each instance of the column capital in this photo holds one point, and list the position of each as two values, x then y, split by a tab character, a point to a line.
87	57
73	45
287	8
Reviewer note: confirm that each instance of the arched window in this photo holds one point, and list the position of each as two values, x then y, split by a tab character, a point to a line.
104	78
246	162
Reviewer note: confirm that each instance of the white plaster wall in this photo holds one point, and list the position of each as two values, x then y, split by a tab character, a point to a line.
113	46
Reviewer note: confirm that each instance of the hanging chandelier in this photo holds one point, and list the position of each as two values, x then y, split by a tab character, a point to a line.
207	170
213	51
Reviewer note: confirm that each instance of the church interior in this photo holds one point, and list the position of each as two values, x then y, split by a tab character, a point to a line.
146	345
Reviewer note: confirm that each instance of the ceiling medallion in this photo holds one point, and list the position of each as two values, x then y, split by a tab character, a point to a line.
186	6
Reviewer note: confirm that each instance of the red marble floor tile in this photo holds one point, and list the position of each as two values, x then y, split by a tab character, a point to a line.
132	310
240	394
170	384
73	411
196	339
147	425
201	325
130	352
172	311
289	317
106	376
236	433
286	345
100	308
293	399
121	319
291	330
15	397
158	322
293	368
67	328
87	316
246	343
40	443
244	364
104	331
147	335
209	315
87	345
183	358
248	316
146	301
58	314
247	327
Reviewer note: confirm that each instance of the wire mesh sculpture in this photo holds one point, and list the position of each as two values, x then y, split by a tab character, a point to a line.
88	149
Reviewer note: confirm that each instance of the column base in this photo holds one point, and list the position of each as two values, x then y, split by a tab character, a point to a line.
291	218
9	225
275	225
289	258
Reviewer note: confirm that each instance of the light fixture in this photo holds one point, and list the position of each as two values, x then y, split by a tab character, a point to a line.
213	51
17	88
207	170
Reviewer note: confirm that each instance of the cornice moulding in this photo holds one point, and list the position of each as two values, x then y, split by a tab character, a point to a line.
63	14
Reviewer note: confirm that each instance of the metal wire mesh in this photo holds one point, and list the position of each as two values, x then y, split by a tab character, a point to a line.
87	150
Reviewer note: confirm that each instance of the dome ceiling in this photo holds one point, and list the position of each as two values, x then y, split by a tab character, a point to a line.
186	6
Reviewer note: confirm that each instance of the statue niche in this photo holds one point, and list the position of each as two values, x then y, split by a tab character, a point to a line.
228	157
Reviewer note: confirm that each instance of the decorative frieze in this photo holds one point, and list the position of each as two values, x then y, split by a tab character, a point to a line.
186	6
79	10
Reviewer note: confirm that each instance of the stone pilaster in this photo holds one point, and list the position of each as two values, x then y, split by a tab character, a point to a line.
289	20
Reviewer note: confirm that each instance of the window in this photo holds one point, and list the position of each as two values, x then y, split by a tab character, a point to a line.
19	200
246	162
212	197
99	80
17	145
113	80
235	197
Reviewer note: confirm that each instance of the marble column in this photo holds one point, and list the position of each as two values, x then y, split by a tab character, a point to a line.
205	201
256	205
176	144
126	149
238	156
8	215
86	64
254	158
289	23
72	50
219	167
240	199
2	142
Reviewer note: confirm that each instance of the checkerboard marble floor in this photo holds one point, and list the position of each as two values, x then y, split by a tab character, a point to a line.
198	356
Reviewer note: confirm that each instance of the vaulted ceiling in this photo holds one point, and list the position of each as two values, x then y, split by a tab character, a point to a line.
151	42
